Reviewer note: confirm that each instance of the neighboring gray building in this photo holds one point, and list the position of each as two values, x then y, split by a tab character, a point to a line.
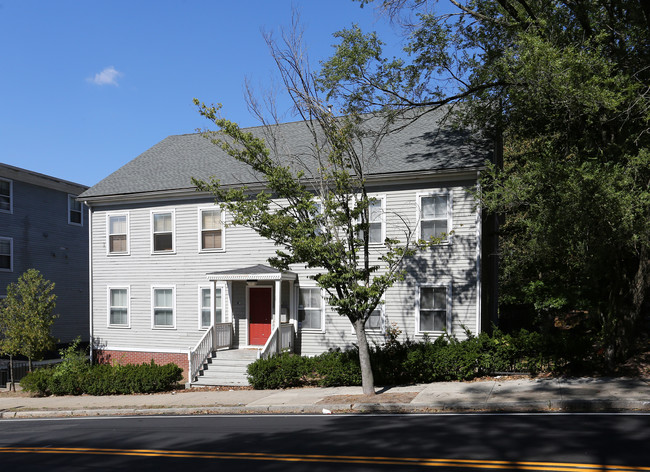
44	227
172	280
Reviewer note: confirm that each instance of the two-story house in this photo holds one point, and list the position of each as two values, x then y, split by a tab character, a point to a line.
171	277
43	226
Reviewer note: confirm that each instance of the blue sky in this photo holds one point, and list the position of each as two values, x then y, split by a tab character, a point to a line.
86	86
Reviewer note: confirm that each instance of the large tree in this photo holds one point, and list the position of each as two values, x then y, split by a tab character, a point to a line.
313	201
563	86
26	317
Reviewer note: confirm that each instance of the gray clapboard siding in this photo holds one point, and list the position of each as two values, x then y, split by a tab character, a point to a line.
186	269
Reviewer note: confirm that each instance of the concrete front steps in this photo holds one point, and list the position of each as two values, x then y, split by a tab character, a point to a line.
226	368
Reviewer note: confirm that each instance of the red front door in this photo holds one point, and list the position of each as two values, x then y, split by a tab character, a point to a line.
259	312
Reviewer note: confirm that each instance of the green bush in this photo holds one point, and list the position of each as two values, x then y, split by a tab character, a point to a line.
281	371
396	362
76	378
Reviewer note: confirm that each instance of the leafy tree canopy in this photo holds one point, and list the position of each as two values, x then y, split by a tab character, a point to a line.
563	86
26	316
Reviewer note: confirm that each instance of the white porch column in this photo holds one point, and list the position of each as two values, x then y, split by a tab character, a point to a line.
293	314
278	295
230	313
213	293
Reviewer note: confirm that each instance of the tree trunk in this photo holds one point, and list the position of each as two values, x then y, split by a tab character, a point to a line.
12	385
367	379
30	363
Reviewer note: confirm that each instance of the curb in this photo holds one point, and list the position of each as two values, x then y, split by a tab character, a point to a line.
575	406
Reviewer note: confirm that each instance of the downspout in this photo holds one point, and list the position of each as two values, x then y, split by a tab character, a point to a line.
90	279
479	235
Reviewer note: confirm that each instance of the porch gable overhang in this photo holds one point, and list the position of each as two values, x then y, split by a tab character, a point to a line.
254	273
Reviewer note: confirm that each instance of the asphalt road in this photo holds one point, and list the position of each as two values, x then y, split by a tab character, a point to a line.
555	442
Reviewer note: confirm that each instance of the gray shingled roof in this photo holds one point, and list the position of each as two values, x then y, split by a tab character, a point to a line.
171	164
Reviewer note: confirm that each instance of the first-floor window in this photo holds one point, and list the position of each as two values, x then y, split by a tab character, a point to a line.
374	321
118	307
433	309
6	254
163	307
206	306
310	308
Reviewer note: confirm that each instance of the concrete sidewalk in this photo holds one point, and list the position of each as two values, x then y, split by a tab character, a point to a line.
544	395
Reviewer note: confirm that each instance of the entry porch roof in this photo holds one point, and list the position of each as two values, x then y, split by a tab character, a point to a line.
252	273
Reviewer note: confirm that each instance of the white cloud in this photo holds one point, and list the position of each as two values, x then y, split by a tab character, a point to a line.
108	76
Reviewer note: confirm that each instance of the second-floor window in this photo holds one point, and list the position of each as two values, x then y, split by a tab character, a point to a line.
6	194
75	211
118	234
434	216
211	229
163	231
375	221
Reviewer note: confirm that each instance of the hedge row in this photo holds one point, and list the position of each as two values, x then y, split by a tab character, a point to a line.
408	362
102	379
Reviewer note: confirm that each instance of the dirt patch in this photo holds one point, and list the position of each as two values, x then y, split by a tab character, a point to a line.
405	397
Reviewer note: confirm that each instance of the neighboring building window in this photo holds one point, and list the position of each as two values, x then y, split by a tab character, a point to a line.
310	308
434	216
433	309
6	195
211	229
75	211
206	306
163	231
118	307
6	254
118	234
163	307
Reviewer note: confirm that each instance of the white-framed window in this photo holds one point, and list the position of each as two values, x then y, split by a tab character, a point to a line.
6	195
6	254
163	307
376	321
433	308
310	308
376	219
75	211
118	307
434	215
211	229
162	231
118	233
208	301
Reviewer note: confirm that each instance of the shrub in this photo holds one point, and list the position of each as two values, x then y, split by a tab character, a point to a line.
103	379
281	371
397	362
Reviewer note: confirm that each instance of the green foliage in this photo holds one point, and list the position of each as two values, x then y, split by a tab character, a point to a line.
445	359
75	376
281	371
563	86
26	316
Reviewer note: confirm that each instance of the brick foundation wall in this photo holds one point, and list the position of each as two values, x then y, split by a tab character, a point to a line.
135	357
